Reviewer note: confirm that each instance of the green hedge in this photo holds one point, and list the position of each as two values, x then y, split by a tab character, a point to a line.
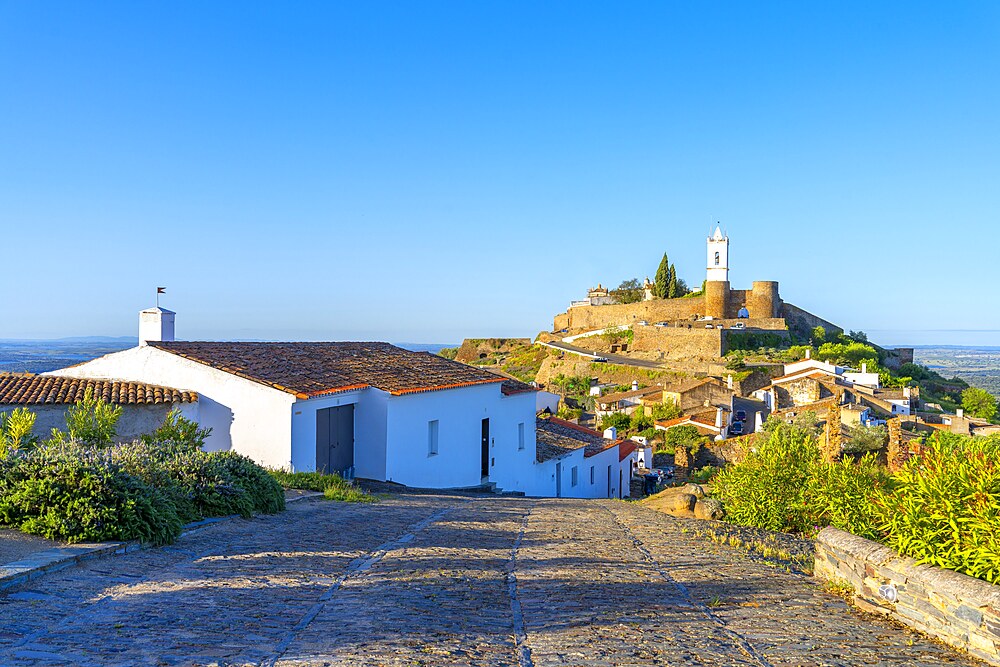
138	491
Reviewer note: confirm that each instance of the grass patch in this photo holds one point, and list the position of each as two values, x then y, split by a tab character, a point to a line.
334	487
839	587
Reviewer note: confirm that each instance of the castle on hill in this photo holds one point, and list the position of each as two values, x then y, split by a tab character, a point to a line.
760	307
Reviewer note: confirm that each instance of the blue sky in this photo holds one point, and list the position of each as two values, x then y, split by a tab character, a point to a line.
430	171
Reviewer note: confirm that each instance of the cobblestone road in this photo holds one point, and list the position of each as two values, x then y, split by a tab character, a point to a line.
435	580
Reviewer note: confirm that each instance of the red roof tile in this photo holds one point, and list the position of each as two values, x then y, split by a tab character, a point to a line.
27	389
315	369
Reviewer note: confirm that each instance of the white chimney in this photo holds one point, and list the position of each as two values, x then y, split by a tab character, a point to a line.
960	413
906	392
611	433
729	381
156	324
635	385
718	418
864	367
808	353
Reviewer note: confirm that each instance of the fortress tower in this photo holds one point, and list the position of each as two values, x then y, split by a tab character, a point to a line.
717	280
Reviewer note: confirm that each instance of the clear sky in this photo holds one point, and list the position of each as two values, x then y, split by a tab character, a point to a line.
427	171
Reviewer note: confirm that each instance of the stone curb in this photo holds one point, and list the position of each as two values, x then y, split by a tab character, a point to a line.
20	572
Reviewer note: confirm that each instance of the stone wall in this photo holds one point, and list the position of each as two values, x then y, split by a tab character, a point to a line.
474	349
957	609
679	344
896	357
803	322
586	318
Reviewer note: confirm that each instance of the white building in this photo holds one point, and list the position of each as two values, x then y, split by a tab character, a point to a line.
718	256
371	410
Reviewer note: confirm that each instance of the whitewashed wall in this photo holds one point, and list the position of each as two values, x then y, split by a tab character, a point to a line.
513	468
459	413
136	420
304	429
245	416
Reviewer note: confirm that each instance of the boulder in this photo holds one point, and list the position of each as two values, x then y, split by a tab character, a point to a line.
708	508
675	504
695	490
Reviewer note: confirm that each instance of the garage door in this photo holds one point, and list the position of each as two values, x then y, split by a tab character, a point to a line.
335	439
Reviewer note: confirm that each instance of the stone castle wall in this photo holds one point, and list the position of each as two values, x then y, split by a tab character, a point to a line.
676	344
719	301
803	322
957	609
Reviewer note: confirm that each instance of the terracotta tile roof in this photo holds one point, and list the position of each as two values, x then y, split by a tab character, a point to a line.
511	386
315	369
27	389
625	448
555	437
607	399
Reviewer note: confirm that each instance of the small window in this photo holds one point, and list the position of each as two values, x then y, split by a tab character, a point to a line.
520	435
574	476
591	475
716	259
432	437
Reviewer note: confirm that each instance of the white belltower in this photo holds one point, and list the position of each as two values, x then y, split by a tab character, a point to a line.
718	257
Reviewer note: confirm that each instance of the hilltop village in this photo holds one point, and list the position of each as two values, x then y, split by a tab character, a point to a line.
700	371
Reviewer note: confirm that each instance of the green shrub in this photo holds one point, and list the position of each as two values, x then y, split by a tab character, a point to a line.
333	487
619	420
766	489
91	421
72	494
16	431
844	495
945	507
179	432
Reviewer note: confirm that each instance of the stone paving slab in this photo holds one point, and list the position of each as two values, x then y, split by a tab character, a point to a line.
445	580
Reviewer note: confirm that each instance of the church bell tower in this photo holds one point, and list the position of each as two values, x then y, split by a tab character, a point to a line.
718	257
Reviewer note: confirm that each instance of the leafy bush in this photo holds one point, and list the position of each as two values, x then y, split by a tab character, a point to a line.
665	411
179	432
16	431
91	421
704	475
979	403
945	507
73	494
766	489
639	421
843	495
619	420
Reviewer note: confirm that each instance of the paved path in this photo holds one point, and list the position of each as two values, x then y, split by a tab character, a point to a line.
435	580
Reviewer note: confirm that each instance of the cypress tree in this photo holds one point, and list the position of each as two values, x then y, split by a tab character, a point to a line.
672	283
660	283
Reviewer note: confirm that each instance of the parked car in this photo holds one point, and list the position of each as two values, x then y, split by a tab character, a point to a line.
736	428
662	324
720	326
741	415
738	325
643	323
600	360
709	326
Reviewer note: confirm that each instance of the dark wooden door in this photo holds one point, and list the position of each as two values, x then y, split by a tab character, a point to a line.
335	439
486	448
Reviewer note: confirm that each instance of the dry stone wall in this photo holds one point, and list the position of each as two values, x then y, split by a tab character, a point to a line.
957	609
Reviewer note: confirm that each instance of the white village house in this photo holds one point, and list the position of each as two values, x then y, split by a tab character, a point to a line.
371	410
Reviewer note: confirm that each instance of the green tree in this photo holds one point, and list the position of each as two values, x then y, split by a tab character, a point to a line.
818	336
629	291
662	278
672	282
619	420
866	438
685	435
640	422
665	411
682	287
979	403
